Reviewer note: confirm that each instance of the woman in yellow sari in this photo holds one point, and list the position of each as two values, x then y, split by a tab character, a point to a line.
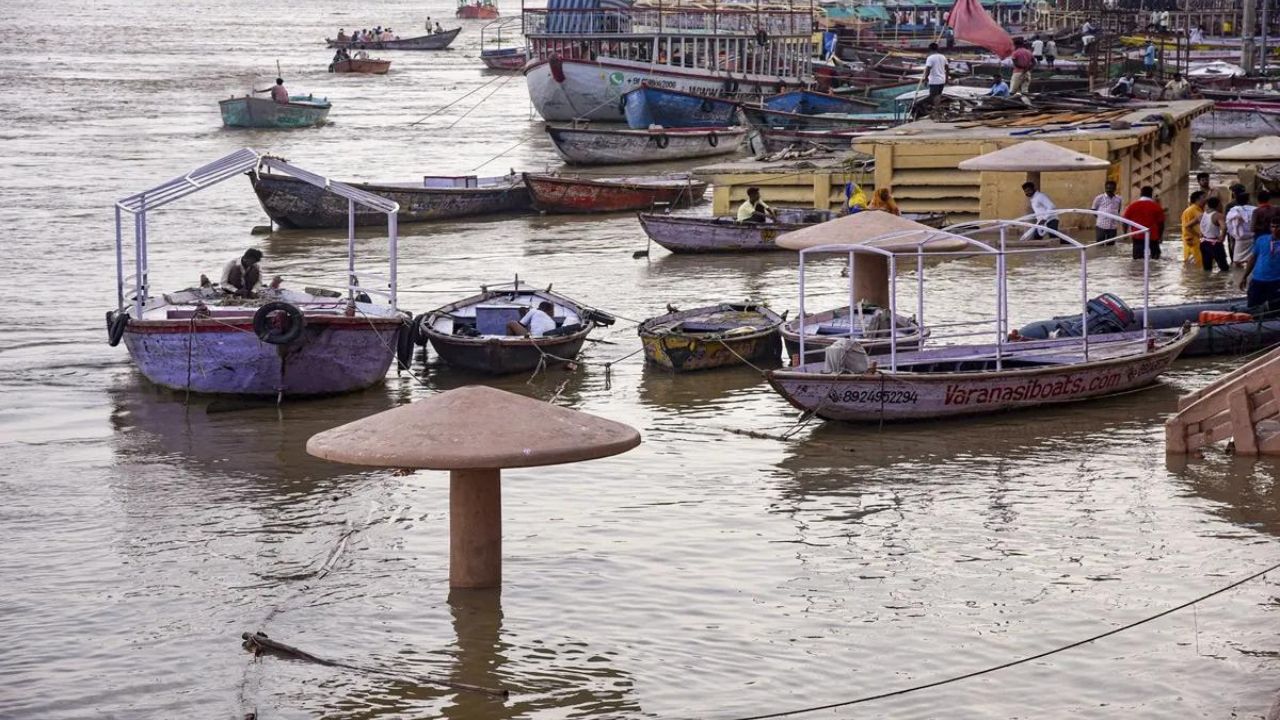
855	199
883	200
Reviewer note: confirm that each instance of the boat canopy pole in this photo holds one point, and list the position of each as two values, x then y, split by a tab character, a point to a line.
225	168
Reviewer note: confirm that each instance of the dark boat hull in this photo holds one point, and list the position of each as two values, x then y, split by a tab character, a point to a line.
436	41
505	356
1233	338
295	204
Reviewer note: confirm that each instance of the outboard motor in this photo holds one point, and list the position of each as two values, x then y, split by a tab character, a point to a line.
1107	314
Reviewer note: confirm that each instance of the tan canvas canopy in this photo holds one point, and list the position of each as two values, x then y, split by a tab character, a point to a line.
1263	148
865	227
1034	156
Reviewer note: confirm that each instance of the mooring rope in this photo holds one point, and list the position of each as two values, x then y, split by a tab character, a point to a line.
1013	663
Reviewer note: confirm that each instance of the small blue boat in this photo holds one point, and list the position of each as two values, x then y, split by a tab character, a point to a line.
808	102
647	106
252	112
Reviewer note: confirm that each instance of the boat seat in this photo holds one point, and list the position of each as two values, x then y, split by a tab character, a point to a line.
564	330
837	330
691	326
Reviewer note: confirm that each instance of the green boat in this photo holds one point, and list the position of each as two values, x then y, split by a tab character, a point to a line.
252	112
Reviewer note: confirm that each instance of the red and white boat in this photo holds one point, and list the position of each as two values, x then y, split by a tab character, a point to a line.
476	10
582	61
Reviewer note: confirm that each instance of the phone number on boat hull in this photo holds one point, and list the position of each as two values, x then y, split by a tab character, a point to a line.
882	397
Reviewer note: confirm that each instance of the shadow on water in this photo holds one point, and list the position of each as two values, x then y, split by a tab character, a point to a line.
668	390
1243	488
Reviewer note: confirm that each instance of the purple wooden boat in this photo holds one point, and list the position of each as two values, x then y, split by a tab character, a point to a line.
682	234
278	343
870	327
294	203
962	378
471	334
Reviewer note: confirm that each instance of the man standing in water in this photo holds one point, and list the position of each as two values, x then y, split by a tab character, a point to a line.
1108	202
1148	213
278	93
1043	207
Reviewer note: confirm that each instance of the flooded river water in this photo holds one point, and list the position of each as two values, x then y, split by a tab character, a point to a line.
706	574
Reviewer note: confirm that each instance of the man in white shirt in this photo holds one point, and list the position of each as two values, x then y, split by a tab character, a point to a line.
535	323
753	209
1240	229
935	72
1037	48
1108	202
1043	208
242	276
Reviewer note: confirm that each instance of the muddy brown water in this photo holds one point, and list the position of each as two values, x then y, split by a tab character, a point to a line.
706	574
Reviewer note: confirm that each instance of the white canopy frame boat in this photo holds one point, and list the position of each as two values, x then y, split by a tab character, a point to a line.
281	342
941	379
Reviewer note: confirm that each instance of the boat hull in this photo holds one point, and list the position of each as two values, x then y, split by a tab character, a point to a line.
592	90
646	106
293	203
436	41
728	335
505	356
476	12
616	147
512	59
366	67
776	140
1238	120
251	112
334	355
712	235
574	195
880	396
763	117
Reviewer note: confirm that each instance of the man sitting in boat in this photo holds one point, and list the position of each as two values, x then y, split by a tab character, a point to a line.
535	323
342	35
438	28
278	93
242	277
753	209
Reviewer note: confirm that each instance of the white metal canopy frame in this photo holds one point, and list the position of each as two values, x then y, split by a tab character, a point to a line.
920	240
230	166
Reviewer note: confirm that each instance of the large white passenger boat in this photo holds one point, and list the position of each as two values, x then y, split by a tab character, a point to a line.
585	54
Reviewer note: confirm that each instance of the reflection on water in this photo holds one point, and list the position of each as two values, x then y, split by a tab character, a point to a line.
707	573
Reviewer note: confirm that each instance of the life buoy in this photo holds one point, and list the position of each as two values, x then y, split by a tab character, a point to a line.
557	68
116	323
405	343
713	139
278	323
662	141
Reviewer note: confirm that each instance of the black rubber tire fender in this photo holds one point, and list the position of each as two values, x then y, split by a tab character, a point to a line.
662	141
266	333
713	139
405	344
116	323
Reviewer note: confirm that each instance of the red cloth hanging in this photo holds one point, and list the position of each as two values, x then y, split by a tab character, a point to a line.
974	25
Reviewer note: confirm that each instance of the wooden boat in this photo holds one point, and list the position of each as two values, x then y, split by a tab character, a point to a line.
511	59
711	337
647	106
763	117
279	343
962	378
592	146
254	112
368	66
434	41
1238	119
568	194
471	334
809	102
682	234
293	203
1225	332
476	10
967	379
869	328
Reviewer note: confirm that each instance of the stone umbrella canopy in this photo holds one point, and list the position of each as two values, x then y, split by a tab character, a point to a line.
1263	148
1034	157
869	227
474	432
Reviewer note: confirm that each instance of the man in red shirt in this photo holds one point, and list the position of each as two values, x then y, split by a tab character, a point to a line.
1148	213
1023	61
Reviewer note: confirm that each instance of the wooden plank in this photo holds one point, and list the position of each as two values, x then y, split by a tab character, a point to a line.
1242	423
